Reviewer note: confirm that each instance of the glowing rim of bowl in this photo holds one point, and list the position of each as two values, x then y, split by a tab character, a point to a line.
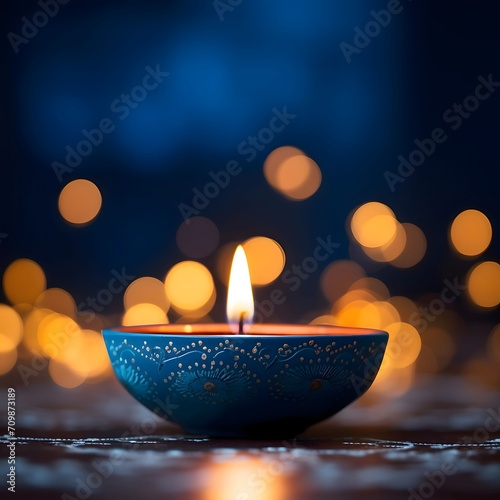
256	330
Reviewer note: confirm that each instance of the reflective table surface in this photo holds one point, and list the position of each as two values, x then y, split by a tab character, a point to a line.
439	440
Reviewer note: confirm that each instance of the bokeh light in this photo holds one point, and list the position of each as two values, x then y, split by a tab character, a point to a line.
324	319
189	286
197	237
392	383
406	307
92	361
274	160
200	314
11	328
146	290
360	308
6	343
415	247
80	355
23	309
372	285
64	376
80	201
23	281
338	277
373	224
352	296
298	178
470	232
57	300
32	322
56	333
266	259
404	344
390	250
75	355
387	312
292	173
359	313
144	314
483	284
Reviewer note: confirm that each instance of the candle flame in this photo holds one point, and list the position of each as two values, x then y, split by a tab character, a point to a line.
240	308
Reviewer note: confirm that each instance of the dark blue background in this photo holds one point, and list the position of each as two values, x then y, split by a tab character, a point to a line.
225	79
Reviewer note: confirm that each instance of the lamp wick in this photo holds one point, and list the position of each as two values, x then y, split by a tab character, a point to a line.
242	317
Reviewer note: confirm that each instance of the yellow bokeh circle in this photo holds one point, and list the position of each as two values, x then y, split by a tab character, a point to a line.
23	281
415	247
11	328
404	344
189	286
484	284
266	259
374	225
80	201
146	290
144	314
470	232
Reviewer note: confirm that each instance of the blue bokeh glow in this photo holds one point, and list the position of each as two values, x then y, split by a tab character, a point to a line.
225	78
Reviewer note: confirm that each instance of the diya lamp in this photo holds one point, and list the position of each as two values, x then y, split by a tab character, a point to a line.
241	379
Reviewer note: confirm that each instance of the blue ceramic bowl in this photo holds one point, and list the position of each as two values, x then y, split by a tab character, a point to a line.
274	382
